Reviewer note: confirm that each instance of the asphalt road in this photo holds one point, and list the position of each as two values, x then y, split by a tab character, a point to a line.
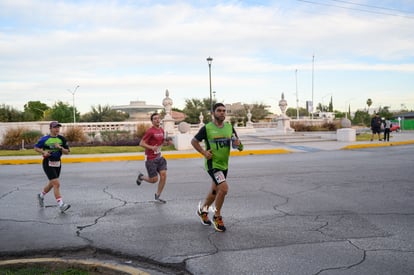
325	212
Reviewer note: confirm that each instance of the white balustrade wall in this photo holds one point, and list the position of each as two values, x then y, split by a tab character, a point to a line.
87	127
131	126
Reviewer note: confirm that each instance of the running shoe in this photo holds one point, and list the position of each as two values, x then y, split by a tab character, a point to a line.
64	207
218	224
139	178
203	215
158	199
41	200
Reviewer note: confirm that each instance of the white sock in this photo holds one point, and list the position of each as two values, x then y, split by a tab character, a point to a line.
60	201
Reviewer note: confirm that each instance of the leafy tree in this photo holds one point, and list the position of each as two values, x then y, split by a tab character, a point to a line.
325	108
403	108
361	118
322	108
62	112
369	103
103	113
9	114
193	108
330	107
258	111
339	114
292	112
238	117
36	109
385	112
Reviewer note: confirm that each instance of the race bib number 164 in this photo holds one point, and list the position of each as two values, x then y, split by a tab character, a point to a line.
219	176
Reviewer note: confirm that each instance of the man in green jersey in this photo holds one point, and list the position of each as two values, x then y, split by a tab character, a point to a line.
218	137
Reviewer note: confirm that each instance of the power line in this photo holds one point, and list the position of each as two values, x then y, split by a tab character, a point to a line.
371	6
356	9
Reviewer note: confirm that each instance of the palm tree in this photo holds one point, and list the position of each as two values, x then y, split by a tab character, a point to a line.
369	103
101	113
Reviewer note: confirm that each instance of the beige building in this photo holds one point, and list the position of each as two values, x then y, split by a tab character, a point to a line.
138	110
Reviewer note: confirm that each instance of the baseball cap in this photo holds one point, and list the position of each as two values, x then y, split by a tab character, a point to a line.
55	124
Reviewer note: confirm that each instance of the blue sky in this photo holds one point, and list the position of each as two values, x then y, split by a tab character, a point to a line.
120	51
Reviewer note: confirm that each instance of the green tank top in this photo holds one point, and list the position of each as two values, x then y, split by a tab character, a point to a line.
219	141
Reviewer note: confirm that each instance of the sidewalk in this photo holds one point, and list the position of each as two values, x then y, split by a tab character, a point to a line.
254	144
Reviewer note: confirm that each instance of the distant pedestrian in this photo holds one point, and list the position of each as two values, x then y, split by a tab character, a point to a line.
219	137
387	129
376	126
52	146
155	163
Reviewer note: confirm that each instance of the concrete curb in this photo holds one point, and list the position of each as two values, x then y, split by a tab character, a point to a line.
107	158
105	268
372	145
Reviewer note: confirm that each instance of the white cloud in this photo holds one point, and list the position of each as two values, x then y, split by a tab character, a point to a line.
118	52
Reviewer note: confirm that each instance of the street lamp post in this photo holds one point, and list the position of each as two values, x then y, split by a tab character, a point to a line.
73	105
209	60
297	99
313	63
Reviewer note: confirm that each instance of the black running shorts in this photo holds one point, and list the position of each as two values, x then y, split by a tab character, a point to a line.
51	172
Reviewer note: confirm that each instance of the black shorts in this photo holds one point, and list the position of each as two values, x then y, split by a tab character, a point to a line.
218	175
376	130
154	166
51	172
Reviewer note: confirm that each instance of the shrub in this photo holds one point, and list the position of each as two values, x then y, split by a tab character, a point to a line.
13	137
75	134
300	127
330	126
115	136
327	126
141	129
31	136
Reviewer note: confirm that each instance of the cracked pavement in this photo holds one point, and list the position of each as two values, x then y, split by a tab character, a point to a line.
325	212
